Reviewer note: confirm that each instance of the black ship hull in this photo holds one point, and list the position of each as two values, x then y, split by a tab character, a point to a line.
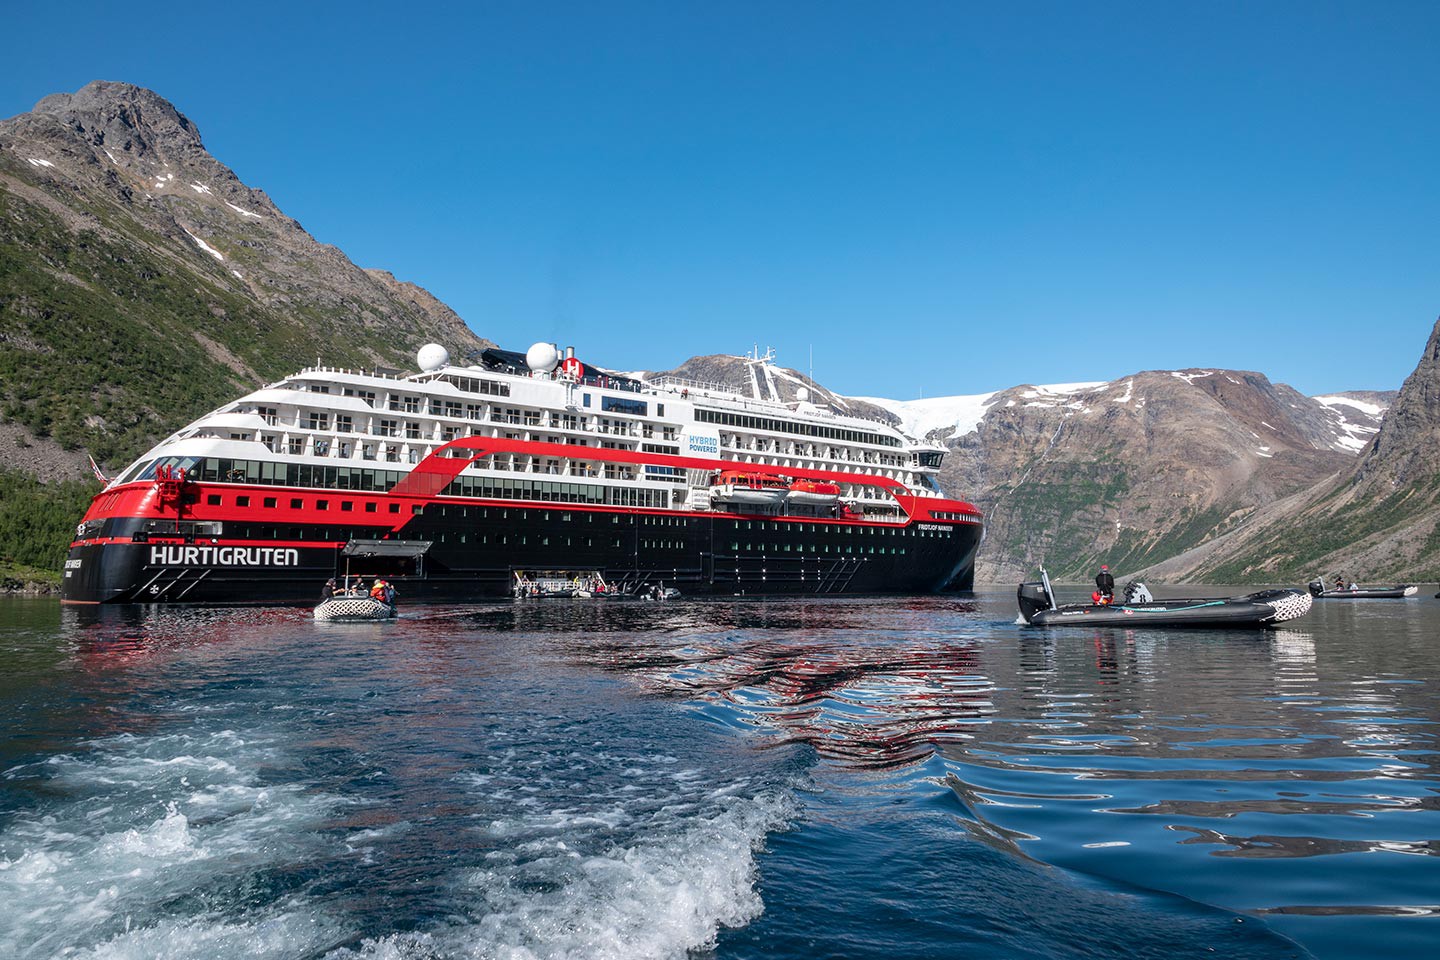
475	553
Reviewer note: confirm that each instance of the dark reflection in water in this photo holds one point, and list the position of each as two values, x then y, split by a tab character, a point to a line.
855	777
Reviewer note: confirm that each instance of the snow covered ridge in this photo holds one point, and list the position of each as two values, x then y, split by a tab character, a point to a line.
962	415
959	416
1354	435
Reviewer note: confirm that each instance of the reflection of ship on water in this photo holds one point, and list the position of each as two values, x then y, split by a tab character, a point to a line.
863	703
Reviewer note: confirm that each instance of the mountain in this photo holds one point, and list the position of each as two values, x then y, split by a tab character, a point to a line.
142	283
1136	470
1378	519
774	383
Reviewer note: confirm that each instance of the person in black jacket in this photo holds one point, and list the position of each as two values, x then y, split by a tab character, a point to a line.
1105	584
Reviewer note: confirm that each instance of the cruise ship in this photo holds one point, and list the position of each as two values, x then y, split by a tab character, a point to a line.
478	480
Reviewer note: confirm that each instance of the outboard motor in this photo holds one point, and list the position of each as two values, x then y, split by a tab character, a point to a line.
1317	587
1032	599
1137	592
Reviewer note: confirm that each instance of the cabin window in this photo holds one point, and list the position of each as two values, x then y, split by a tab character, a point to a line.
242	501
213	500
297	504
370	507
271	502
322	504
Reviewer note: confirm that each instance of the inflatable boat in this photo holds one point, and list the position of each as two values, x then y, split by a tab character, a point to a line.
1263	609
1318	591
353	609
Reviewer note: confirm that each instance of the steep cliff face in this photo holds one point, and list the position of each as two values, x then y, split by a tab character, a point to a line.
1379	518
144	283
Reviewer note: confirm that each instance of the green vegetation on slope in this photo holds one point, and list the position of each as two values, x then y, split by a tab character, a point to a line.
37	520
101	347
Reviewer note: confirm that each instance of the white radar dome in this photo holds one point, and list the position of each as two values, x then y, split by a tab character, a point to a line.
543	357
432	356
802	394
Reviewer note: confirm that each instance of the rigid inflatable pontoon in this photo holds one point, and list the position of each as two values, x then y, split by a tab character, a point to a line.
353	609
1263	609
1318	591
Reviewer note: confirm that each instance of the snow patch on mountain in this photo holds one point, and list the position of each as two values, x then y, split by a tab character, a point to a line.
958	415
1374	409
205	246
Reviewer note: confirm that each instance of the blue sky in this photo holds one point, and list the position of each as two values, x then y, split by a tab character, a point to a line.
933	198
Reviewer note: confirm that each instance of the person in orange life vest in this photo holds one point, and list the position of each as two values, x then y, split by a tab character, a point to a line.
377	591
1104	587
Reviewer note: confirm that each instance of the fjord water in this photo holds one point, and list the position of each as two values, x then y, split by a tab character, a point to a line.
790	778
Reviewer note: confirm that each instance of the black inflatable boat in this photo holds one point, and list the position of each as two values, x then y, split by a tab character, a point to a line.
1318	591
1264	609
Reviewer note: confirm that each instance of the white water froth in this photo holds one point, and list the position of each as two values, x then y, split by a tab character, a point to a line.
145	822
650	867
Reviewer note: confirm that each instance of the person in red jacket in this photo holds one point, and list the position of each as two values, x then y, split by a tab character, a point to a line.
1104	587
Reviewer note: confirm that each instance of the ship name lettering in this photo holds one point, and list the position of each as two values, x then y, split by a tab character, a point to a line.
225	556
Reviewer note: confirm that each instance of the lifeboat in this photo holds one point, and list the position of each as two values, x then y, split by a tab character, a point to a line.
813	491
740	486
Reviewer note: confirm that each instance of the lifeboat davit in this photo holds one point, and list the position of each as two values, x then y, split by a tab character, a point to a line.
739	486
813	491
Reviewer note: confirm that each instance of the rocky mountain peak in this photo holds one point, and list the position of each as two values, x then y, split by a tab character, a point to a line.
1405	450
125	119
133	253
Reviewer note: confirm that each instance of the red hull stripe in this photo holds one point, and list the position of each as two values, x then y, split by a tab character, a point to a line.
425	481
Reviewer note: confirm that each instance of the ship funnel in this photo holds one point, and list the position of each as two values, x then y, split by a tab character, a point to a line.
569	353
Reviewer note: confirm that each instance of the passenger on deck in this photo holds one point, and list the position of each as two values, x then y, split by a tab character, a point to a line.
329	590
1339	583
1104	586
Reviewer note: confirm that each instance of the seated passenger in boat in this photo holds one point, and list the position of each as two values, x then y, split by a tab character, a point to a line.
1104	586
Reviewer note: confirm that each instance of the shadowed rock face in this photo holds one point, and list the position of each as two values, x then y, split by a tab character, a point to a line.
1377	519
141	259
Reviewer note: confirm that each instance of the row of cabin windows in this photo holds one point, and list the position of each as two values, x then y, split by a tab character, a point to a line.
820	549
955	515
227	470
506	488
791	426
298	503
847	529
523	539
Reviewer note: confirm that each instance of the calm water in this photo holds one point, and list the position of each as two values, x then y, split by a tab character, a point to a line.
789	779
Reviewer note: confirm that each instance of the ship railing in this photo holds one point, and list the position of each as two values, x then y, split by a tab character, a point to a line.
667	382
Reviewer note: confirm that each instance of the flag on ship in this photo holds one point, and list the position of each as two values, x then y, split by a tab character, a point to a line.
95	469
